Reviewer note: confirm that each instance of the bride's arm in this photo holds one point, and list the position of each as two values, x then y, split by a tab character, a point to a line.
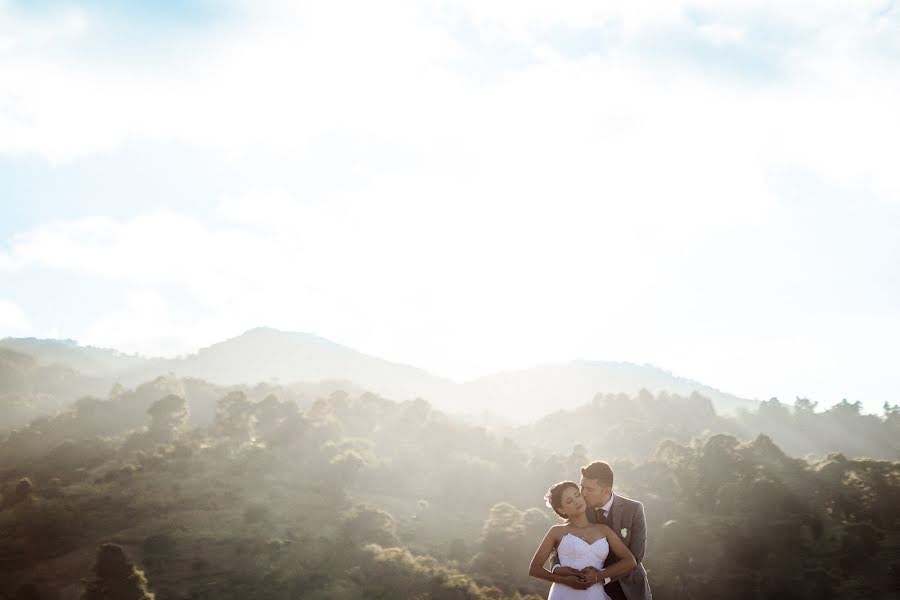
537	569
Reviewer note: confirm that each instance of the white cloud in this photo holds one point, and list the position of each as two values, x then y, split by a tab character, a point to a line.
851	357
721	35
386	75
522	20
614	126
149	324
13	320
281	83
18	34
157	248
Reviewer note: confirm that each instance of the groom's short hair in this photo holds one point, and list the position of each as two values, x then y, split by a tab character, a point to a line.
600	471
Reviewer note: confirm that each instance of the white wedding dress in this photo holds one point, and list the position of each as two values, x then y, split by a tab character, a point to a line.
576	553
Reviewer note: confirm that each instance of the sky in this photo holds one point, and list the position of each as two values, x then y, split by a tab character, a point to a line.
465	186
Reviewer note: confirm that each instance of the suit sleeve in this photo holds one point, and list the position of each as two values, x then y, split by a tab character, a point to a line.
638	534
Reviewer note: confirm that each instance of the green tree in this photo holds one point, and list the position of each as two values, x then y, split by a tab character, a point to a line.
234	417
168	417
365	524
115	577
505	551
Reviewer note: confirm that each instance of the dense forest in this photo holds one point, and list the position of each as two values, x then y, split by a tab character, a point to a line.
181	489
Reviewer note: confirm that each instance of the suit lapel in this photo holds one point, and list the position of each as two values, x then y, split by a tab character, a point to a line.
615	514
614	519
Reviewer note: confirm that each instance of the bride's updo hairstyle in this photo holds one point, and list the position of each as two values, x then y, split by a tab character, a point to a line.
553	497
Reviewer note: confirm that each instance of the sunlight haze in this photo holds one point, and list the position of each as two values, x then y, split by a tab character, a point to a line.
464	187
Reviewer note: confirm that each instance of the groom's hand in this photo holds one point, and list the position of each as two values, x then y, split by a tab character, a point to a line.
566	571
574	581
589	574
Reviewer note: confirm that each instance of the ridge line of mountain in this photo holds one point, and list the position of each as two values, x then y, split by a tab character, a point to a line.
265	354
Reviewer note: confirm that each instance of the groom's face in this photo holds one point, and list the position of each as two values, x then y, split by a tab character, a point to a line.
594	494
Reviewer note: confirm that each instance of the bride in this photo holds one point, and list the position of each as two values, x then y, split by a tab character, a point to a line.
581	545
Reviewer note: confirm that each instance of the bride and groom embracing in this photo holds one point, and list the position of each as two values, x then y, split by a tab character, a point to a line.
600	527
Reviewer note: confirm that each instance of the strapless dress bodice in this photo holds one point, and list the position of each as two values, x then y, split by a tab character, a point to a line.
576	553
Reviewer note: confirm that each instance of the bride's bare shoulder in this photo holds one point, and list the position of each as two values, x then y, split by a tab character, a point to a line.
606	529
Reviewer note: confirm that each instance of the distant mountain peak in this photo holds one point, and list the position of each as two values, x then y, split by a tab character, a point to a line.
272	332
264	354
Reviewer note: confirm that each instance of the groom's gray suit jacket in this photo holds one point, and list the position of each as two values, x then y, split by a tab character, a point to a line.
626	518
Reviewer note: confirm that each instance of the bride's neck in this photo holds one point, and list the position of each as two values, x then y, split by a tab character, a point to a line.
579	521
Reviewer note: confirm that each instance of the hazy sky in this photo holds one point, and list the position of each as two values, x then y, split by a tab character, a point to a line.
464	185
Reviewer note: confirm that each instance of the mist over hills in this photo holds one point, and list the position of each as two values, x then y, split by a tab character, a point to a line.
270	355
310	487
86	360
542	390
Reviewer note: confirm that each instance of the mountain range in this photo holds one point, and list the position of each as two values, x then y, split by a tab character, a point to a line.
273	356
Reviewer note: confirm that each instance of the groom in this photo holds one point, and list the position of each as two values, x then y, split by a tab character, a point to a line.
626	518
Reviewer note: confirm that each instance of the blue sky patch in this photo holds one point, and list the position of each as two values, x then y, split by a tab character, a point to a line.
159	12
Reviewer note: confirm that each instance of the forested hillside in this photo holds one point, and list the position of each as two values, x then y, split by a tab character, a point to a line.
350	495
